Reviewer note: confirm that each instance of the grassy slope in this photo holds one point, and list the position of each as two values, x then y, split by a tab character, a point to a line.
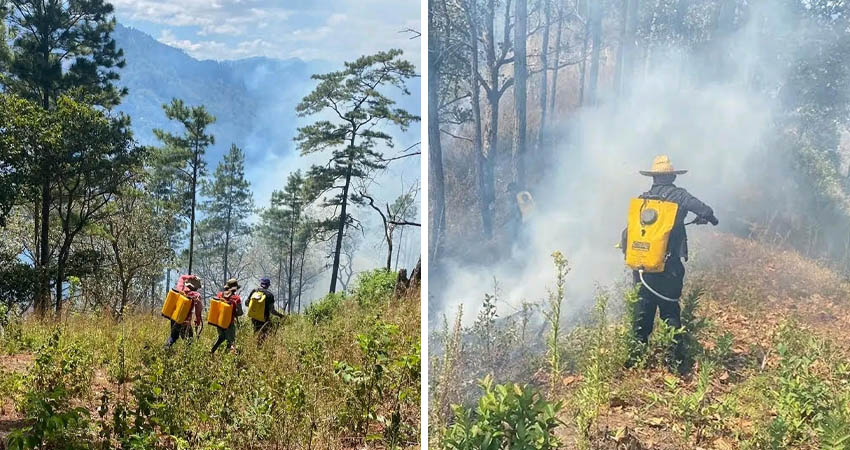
290	392
781	381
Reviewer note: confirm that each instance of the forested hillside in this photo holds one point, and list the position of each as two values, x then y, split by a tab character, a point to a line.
250	97
136	179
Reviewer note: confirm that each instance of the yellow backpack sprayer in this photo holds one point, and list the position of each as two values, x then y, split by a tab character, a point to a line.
220	314
257	306
176	306
650	223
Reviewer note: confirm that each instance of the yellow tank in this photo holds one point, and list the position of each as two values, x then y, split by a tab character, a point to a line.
526	204
176	306
221	313
649	225
257	306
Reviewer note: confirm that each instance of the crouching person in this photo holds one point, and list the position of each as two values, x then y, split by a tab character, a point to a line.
188	285
229	296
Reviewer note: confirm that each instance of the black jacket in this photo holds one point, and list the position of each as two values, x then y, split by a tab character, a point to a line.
269	303
678	244
687	203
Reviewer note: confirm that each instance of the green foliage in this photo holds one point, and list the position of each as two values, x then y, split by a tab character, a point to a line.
324	309
507	416
374	286
62	365
379	376
61	373
227	208
21	122
287	230
354	98
802	398
695	411
61	48
834	433
53	423
553	316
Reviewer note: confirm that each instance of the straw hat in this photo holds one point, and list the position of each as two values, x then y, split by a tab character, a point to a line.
231	286
661	165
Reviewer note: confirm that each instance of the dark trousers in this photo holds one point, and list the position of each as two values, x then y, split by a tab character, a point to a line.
670	285
179	330
228	334
261	330
645	313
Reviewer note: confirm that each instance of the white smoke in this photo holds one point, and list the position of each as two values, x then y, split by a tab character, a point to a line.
714	128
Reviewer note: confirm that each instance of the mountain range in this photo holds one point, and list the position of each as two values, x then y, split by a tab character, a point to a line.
252	99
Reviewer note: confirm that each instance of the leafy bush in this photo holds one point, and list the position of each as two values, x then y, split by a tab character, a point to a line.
61	373
374	286
62	365
52	423
508	416
380	376
325	308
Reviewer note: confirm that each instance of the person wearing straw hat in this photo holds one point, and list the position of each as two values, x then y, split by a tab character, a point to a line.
228	294
665	288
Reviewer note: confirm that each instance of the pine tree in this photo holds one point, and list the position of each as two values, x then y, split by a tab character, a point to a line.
59	47
229	204
170	193
187	152
353	98
283	227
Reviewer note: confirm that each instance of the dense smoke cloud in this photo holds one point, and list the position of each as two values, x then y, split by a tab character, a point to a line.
713	122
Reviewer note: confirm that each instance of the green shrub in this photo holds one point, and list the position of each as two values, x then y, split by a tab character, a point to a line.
62	365
374	286
508	416
325	308
52	423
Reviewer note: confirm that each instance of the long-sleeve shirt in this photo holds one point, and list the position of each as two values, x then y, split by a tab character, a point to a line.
678	244
197	307
233	299
269	306
687	203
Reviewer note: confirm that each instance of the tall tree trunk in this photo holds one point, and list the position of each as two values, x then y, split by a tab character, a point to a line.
226	253
520	89
290	268
630	46
280	273
389	254
584	45
341	227
618	70
192	218
398	252
483	193
60	275
544	75
43	296
557	64
596	27
436	178
301	278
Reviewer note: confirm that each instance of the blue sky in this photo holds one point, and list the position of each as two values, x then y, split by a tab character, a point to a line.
329	30
332	31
